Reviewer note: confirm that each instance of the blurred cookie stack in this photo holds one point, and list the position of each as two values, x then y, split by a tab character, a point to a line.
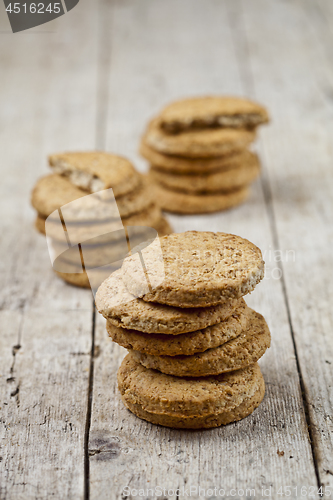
198	153
85	220
193	343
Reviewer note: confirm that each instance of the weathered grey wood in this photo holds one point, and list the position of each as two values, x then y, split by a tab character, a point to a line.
47	103
294	75
44	405
161	51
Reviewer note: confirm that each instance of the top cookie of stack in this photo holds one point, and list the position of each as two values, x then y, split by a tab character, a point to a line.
75	176
198	151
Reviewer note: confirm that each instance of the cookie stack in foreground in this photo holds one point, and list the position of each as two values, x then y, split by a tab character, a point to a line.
193	342
198	152
95	220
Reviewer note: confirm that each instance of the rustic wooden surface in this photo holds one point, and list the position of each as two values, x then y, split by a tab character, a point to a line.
91	79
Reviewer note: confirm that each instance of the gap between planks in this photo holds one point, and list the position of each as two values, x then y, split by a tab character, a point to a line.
114	420
102	100
243	56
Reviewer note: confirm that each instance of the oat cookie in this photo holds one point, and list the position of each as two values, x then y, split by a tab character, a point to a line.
198	143
159	223
96	170
93	255
76	279
185	343
196	422
162	226
53	191
74	275
192	402
123	310
218	181
236	353
137	200
96	255
195	269
183	165
185	203
108	230
212	112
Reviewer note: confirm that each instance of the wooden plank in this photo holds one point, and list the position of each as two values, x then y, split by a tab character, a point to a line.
161	51
47	103
294	74
44	408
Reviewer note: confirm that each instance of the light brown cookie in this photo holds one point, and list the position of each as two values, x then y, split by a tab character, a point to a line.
185	343
212	112
137	223
93	255
236	353
218	181
195	269
163	227
124	310
104	232
96	170
183	165
189	402
198	143
105	253
54	191
189	204
137	200
196	422
76	279
90	279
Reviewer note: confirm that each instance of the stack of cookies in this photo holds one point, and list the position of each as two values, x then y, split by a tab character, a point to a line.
87	232
193	342
198	153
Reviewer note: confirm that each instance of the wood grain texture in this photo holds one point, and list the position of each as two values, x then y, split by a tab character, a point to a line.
175	49
297	151
93	78
48	85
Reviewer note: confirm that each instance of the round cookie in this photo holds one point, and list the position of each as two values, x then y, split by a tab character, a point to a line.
198	143
211	112
185	343
137	200
54	191
163	227
96	170
80	278
108	231
189	403
124	310
105	253
184	203
224	180
93	255
195	269
76	279
183	165
236	353
196	422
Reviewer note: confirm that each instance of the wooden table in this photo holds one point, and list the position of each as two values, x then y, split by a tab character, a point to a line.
92	79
